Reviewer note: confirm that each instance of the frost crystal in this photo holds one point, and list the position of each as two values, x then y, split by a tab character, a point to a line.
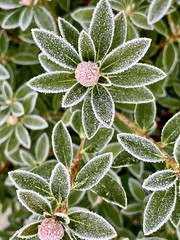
87	73
50	229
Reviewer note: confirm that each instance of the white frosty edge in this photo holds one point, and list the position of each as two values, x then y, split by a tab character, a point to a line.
45	125
21	151
28	145
7	85
12	26
33	102
132	190
162	222
175	57
67	23
22	229
7	135
64	216
21	25
141	25
176	145
80	9
106	84
12	151
125	23
160	188
5	72
104	173
21	108
46	142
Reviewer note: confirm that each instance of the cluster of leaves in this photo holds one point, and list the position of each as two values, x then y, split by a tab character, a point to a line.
102	160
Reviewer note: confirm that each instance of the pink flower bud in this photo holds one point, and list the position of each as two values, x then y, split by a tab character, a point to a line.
50	229
87	73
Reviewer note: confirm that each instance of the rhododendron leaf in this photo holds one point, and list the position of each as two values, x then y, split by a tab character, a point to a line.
9	4
26	158
60	183
5	132
132	209
62	144
120	30
34	122
53	82
131	95
22	135
11	20
137	76
111	191
175	217
93	172
34	202
42	148
4	74
157	10
7	90
83	16
159	209
25	58
12	144
140	147
87	50
56	48
30	181
98	141
102	28
69	32
125	56
29	230
124	159
17	109
76	122
176	152
4	115
161	180
89	225
26	18
136	190
89	121
74	95
103	105
140	20
29	103
170	57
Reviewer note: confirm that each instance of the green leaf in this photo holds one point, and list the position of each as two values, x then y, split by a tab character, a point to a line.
34	122
34	202
125	56
161	180
120	30
83	16
157	10
87	50
5	132
102	28
30	181
23	92
9	4
132	209
111	191
124	159
171	130
131	95
65	4
25	58
57	49
145	114
88	225
170	57
89	120
29	230
26	158
7	90
42	148
4	43
29	103
93	172
22	135
11	20
159	209
136	190
44	19
68	32
74	95
53	82
60	183
76	122
137	76
12	144
26	18
103	105
4	115
17	109
175	216
98	141
140	147
4	74
140	20
62	144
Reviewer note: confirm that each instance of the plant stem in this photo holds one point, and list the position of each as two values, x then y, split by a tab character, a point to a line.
171	24
169	160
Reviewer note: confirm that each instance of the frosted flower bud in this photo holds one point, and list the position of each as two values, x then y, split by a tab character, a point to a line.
87	73
12	120
50	229
27	2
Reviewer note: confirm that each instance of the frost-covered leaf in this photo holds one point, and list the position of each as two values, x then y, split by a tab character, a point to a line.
68	32
93	172
62	144
29	102
29	230
124	159
161	180
140	147
176	152
4	74
175	216
26	158
125	56
11	20
103	105
34	202
60	183
26	18
25	58
86	47
171	130
140	20
136	190
74	95
98	141
83	16
17	109
5	132
157	10
132	209
9	4
53	82
111	191
4	44
120	30
4	115
89	225
23	135
131	95
12	144
89	120
30	181
102	28
170	57
145	114
159	209
44	19
34	122
76	123
57	49
7	90
137	76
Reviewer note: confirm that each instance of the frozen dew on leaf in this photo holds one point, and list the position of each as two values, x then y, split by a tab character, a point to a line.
87	73
50	229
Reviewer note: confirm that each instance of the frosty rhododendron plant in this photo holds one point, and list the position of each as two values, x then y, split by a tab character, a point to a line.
89	120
